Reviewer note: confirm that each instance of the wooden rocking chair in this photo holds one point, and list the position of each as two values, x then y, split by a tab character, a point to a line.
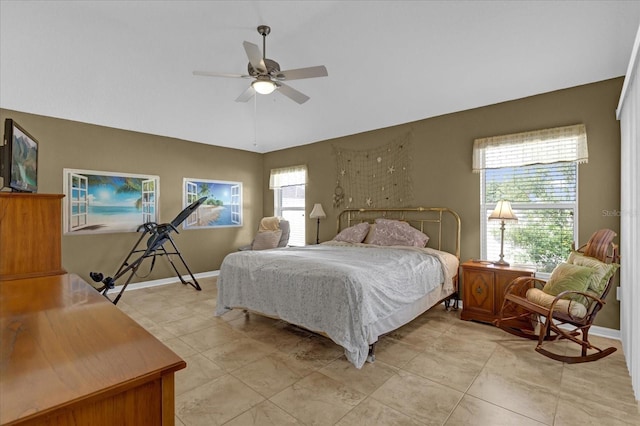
531	309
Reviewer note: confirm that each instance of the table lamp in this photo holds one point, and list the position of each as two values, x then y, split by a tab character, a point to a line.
317	213
503	213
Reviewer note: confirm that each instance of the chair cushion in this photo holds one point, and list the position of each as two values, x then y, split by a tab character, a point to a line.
353	234
567	276
602	271
571	307
266	240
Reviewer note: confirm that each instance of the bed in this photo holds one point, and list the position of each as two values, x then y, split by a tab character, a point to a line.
348	290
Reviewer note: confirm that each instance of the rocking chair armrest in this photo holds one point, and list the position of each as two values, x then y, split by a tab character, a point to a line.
581	293
562	295
517	284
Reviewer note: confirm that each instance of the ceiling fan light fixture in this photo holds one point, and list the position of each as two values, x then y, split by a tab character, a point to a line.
263	86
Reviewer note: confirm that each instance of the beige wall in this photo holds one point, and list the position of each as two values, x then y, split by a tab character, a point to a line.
68	144
441	165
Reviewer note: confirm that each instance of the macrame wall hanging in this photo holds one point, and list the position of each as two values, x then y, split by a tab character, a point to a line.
378	177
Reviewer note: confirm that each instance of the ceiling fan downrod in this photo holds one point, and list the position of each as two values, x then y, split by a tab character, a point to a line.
264	31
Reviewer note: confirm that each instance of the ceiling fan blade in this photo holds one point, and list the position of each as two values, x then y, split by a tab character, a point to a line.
255	57
300	73
292	93
220	74
246	95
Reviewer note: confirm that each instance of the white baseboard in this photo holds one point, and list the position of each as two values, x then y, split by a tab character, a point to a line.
163	281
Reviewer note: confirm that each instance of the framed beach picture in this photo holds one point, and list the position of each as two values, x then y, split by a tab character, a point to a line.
223	207
103	202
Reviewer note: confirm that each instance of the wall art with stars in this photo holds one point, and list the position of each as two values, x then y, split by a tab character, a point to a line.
375	178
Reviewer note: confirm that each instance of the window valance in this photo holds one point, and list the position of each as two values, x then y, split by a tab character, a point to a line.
560	144
288	176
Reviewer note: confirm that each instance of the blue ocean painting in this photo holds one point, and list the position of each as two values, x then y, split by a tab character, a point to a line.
217	209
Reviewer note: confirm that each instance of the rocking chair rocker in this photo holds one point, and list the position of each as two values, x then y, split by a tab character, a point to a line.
565	306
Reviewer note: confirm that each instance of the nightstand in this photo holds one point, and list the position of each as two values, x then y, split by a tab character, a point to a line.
483	288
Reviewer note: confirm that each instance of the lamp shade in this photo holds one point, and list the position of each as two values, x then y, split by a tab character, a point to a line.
263	85
503	211
317	212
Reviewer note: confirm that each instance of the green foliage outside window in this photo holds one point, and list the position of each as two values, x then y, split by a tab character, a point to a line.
543	197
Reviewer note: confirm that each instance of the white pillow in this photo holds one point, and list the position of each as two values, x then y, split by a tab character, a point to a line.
266	240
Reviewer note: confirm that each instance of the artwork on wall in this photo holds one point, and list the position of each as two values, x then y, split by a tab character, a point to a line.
223	207
104	202
378	177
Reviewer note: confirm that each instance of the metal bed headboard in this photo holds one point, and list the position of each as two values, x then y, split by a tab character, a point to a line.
429	220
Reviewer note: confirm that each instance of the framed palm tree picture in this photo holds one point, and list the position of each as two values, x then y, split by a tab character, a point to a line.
104	202
223	207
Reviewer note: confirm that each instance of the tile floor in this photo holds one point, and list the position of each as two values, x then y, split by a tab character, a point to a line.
437	370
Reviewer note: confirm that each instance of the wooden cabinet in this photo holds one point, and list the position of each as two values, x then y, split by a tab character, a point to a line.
30	235
71	357
483	287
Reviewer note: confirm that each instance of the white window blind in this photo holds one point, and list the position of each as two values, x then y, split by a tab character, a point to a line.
543	193
560	144
288	176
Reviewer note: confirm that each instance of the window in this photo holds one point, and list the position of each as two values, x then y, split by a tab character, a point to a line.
538	173
289	186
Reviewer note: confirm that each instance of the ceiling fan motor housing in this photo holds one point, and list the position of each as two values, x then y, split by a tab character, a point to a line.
272	68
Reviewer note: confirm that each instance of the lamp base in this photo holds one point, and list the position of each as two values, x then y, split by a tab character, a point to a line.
501	262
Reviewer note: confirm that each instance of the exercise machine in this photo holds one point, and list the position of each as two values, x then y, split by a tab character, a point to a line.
157	236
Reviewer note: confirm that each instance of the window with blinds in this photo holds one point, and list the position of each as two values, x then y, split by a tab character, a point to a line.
537	172
543	198
289	184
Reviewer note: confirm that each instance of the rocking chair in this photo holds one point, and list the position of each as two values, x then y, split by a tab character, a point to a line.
565	306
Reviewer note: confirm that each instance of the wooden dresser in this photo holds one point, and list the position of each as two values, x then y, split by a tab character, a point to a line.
483	288
70	357
30	235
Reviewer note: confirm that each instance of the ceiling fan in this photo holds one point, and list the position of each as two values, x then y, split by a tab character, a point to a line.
267	74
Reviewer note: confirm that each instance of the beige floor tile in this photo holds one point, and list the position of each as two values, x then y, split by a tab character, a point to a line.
393	352
215	402
211	337
316	351
180	347
188	325
365	380
199	371
574	410
474	411
238	353
521	362
318	399
264	414
273	373
422	399
445	369
415	335
526	398
371	412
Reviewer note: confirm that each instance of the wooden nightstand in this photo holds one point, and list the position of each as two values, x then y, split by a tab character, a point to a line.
483	288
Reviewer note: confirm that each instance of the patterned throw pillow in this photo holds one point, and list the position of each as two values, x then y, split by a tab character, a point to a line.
266	240
397	233
353	234
602	271
569	277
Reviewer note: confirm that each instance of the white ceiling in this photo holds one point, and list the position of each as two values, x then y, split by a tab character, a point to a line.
129	64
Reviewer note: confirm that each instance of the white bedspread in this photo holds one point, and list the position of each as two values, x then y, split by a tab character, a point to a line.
335	288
